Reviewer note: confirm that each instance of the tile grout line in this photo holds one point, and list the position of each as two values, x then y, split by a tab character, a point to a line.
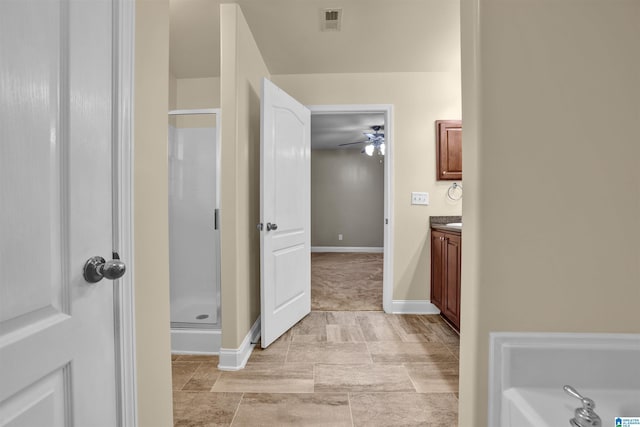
237	409
216	381
286	355
192	375
415	388
369	352
313	375
350	410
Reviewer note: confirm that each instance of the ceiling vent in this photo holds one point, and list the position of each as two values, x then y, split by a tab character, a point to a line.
330	19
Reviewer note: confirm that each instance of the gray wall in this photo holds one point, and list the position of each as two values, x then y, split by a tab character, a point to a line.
347	197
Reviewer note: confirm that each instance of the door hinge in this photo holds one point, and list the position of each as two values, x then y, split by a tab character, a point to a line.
259	226
216	219
386	221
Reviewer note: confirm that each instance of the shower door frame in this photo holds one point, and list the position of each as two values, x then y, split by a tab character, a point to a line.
217	112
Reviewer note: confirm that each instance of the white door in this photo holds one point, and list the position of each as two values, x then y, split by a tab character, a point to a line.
57	353
285	203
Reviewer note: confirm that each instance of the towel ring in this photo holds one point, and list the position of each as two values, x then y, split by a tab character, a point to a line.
455	192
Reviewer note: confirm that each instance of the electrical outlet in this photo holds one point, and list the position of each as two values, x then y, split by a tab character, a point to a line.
419	198
339	236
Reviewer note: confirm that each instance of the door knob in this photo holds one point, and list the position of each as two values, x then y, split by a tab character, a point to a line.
271	226
97	268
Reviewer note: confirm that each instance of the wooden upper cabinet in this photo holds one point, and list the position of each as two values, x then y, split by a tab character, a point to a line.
449	149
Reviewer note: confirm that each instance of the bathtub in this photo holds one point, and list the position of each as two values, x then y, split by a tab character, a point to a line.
528	371
550	407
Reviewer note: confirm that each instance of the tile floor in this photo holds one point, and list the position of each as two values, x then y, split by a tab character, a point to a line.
362	272
354	368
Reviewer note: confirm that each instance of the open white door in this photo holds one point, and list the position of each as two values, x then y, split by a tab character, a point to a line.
57	331
285	211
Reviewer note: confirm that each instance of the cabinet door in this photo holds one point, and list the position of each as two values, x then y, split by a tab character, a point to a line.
437	268
453	255
449	149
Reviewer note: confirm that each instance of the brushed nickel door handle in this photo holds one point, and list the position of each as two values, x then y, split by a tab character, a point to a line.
96	268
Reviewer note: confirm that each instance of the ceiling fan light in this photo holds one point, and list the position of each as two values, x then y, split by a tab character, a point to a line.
369	150
382	149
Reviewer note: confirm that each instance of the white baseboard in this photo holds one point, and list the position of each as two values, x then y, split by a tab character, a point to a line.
234	359
363	249
195	341
399	306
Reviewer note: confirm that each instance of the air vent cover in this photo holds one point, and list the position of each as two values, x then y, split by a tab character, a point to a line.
330	19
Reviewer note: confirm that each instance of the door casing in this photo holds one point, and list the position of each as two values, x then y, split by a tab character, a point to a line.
122	131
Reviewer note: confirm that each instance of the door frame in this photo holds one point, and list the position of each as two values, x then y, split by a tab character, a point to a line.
123	26
387	110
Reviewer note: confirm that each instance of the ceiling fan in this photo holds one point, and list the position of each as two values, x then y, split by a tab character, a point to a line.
375	140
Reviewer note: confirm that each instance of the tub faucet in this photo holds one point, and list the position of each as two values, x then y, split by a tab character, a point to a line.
585	416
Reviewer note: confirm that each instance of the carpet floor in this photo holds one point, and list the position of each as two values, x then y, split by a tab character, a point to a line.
346	281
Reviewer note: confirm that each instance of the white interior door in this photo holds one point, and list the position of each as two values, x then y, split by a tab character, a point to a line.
57	354
285	204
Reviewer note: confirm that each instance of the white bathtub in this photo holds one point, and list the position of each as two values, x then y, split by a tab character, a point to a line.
544	407
528	371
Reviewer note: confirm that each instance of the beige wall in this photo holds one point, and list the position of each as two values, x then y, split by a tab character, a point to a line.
241	78
193	94
173	92
173	97
198	93
552	194
419	99
347	197
151	239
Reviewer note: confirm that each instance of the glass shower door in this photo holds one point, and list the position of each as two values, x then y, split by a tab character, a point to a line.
194	248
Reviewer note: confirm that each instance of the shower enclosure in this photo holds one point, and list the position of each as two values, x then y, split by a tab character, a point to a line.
194	237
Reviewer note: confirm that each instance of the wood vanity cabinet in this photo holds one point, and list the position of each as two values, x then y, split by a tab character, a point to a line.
446	263
449	149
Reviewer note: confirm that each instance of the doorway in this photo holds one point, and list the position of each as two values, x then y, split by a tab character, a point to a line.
351	256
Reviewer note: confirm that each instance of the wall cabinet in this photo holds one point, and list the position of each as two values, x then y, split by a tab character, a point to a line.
446	264
449	149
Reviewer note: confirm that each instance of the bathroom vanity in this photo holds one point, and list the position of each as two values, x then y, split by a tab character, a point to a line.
446	265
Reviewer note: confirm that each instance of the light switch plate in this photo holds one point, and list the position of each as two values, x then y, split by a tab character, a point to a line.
419	198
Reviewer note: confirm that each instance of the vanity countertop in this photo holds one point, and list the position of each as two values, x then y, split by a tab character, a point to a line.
440	223
444	227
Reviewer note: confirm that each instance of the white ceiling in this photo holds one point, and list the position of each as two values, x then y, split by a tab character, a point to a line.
330	130
376	36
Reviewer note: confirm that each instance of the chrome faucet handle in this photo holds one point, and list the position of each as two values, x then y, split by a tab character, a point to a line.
586	402
585	416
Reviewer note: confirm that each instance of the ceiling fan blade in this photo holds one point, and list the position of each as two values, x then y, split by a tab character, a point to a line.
352	143
374	130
